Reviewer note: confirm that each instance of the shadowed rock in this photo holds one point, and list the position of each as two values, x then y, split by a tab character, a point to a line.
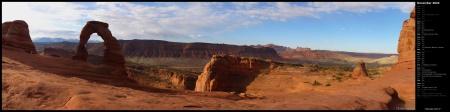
229	73
401	76
16	34
112	55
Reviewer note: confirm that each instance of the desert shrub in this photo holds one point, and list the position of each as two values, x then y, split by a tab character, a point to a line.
340	74
316	83
339	79
328	84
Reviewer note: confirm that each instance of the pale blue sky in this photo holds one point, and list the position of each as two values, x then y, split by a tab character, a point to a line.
345	26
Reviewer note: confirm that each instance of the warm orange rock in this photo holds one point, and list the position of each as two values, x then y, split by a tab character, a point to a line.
407	40
401	77
112	55
16	34
360	71
229	73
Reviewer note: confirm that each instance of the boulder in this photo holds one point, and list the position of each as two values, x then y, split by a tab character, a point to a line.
230	73
360	71
16	34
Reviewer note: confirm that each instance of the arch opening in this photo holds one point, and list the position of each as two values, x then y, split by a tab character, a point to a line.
112	53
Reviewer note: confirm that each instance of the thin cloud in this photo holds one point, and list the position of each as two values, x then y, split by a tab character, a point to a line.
171	20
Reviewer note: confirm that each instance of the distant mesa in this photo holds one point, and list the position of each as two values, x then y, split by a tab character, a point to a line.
112	55
163	49
167	49
16	34
302	49
52	40
360	71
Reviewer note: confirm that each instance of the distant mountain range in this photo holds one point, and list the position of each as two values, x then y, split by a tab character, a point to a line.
51	40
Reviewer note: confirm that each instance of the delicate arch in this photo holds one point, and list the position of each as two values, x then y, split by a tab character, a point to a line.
112	52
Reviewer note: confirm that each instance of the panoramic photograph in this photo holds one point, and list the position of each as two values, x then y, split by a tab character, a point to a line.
208	56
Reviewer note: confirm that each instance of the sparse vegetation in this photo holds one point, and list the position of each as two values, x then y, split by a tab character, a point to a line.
156	76
316	83
292	64
186	64
338	78
328	84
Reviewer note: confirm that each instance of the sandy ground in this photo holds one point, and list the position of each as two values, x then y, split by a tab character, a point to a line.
31	81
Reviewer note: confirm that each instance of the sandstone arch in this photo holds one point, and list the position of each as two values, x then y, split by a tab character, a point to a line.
112	55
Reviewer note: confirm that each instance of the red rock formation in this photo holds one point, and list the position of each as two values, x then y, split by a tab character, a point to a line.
158	48
165	49
17	34
360	71
306	55
112	55
230	73
278	48
407	40
401	76
302	49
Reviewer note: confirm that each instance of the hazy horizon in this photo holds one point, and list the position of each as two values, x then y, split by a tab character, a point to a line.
368	27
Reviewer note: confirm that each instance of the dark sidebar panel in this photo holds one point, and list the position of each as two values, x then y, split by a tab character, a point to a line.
431	57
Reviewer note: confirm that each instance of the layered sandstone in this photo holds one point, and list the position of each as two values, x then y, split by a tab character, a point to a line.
360	71
401	77
158	48
16	34
112	55
407	40
166	49
230	73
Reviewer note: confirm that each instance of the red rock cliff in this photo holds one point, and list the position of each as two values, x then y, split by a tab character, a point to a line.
402	77
407	41
164	49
